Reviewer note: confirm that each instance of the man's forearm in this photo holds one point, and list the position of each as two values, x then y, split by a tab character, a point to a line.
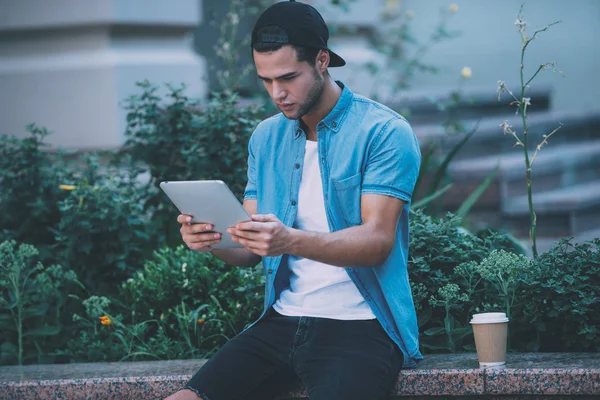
358	246
237	257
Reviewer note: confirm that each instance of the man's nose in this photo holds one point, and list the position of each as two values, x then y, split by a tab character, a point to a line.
278	91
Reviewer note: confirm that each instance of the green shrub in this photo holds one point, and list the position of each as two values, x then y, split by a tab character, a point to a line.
32	305
181	140
101	220
103	234
30	178
562	298
550	300
183	304
444	296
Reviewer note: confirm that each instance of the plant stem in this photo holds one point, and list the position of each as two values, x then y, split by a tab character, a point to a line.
19	321
523	110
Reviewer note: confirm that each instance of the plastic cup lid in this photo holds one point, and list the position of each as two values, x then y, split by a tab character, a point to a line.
489	318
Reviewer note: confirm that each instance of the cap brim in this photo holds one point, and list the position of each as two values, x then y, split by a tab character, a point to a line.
335	60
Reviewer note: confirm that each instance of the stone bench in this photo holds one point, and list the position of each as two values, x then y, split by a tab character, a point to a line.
525	376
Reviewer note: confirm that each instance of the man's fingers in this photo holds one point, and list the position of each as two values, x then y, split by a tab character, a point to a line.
202	247
264	218
252	245
201	238
183	218
199	228
253	226
186	220
247	234
196	228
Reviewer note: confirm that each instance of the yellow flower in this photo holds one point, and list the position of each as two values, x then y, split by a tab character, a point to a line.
392	5
200	321
453	8
466	72
66	187
162	316
104	320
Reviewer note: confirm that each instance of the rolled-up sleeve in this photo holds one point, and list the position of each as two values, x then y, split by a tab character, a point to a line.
250	192
393	162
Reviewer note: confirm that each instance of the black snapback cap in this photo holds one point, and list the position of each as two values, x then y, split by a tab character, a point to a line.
302	23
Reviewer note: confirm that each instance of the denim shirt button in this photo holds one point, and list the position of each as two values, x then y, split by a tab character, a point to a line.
270	271
322	160
334	124
293	202
299	131
296	165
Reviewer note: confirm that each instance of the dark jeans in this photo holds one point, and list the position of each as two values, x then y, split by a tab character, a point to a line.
335	360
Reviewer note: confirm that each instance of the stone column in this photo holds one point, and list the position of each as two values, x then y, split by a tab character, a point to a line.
68	64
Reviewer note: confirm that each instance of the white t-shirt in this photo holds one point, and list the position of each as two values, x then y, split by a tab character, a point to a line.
317	289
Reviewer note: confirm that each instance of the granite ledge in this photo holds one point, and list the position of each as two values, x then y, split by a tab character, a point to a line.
528	375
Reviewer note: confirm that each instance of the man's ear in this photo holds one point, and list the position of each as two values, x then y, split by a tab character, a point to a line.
322	61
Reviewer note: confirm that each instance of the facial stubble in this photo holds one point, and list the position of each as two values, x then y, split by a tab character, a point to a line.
313	98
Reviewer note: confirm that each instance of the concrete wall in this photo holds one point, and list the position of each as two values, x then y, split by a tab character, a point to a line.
68	64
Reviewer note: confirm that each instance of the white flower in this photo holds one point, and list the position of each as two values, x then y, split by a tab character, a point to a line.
505	127
521	25
235	19
238	306
183	267
185	282
226	46
466	72
454	8
527	101
501	88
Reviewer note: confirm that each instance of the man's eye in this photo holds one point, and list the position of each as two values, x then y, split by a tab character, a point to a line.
289	78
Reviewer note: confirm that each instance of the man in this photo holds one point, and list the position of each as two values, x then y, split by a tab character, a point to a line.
330	179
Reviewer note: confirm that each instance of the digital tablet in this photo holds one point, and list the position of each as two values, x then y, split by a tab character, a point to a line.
210	202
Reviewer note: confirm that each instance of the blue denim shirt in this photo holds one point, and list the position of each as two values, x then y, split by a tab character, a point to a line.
364	147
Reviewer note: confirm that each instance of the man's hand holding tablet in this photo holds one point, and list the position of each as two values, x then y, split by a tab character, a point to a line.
199	237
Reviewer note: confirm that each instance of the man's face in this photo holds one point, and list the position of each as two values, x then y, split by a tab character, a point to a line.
295	87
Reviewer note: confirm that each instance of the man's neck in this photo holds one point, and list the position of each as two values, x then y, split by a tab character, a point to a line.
328	100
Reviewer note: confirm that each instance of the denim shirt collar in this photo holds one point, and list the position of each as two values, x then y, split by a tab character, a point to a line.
337	115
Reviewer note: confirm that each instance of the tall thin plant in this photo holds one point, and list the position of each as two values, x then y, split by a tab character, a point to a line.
522	103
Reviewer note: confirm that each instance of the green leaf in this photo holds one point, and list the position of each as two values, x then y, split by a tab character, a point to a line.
425	160
470	201
459	334
435	331
47	331
434	347
424	316
36	311
425	201
442	169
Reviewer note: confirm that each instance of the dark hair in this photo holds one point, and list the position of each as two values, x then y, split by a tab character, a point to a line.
303	53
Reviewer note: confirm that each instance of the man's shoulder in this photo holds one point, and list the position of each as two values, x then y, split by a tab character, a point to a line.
376	111
376	117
